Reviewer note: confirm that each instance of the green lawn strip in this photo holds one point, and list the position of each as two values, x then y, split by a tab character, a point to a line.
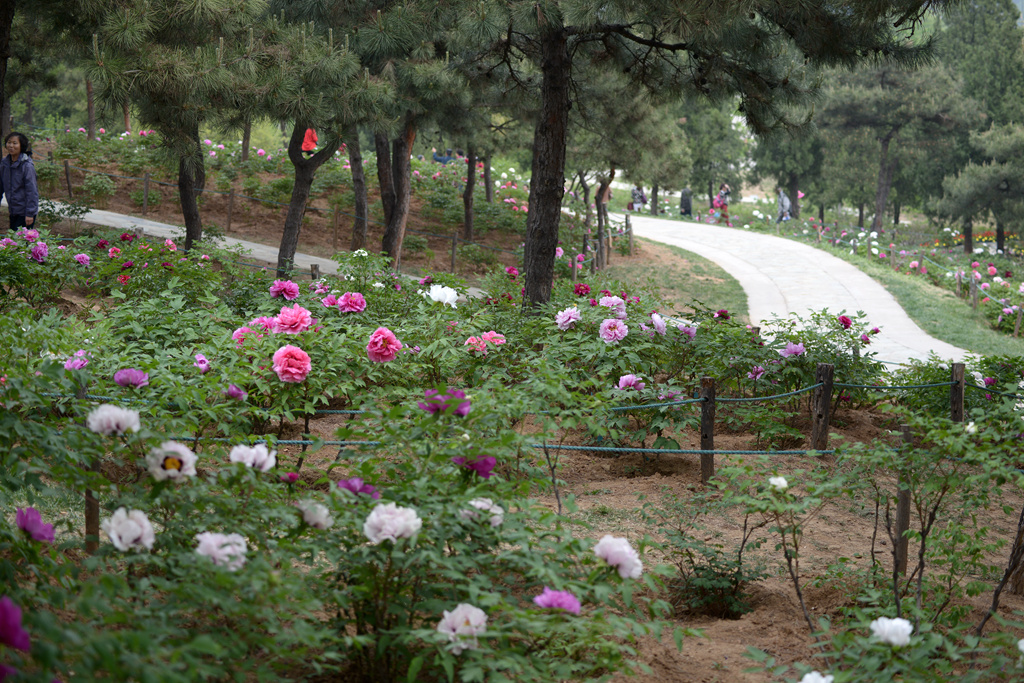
690	277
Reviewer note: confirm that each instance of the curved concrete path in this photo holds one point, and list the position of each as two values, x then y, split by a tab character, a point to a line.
783	277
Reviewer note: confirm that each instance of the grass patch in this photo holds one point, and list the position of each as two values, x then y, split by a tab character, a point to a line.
681	277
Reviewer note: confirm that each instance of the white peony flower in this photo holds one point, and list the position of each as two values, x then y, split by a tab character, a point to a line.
378	285
109	419
1020	645
361	253
971	428
388	521
256	457
620	554
462	625
316	515
895	632
442	295
227	550
778	483
171	460
815	677
129	529
486	505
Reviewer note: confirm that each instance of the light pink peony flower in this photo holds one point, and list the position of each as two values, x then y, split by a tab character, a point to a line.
688	330
202	363
613	330
264	322
567	318
292	320
620	554
129	530
462	625
755	373
291	364
383	346
792	349
631	382
110	419
226	550
352	302
286	288
616	304
77	361
563	600
659	324
390	522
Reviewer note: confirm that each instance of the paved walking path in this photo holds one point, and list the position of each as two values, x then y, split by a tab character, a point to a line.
779	276
782	277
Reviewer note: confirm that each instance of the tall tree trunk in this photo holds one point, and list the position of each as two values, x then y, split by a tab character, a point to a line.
385	177
355	161
968	236
794	196
603	187
488	183
191	180
886	167
821	214
860	215
246	138
654	200
305	170
126	110
896	214
586	197
547	183
711	196
1000	234
6	20
5	115
401	174
29	118
90	108
467	194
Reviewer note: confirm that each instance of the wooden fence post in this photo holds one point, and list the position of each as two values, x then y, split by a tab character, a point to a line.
455	244
67	177
956	393
145	195
630	240
231	208
821	406
903	511
314	271
707	428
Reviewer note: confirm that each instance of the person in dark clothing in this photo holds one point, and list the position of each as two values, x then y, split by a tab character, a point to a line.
443	159
18	181
686	202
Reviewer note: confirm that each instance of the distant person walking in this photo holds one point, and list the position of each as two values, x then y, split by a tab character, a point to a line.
721	202
18	181
784	207
639	199
309	142
686	202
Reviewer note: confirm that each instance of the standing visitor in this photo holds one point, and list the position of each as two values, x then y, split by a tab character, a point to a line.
309	142
18	181
721	202
639	198
784	207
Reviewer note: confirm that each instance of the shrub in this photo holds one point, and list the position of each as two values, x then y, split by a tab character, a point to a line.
138	197
477	255
99	188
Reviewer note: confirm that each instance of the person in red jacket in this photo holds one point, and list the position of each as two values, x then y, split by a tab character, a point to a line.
309	142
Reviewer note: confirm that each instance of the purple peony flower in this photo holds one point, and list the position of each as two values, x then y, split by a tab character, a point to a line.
755	373
792	349
31	522
82	259
236	392
563	600
483	465
202	363
631	382
989	381
11	632
78	361
357	486
130	377
435	402
39	252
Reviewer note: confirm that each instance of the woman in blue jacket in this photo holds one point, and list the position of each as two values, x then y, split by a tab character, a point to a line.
18	181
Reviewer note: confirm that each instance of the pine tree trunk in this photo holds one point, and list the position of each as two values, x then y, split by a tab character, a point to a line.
29	118
5	115
6	20
547	183
821	214
968	236
1016	580
355	161
896	214
467	194
654	200
126	110
886	167
711	196
90	107
488	183
385	177
246	139
860	215
586	198
305	171
794	196
191	180
401	173
1000	235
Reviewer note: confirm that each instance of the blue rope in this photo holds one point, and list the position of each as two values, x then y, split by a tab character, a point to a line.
770	398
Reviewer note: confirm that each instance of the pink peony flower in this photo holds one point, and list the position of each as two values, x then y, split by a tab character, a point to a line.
755	373
476	344
291	364
352	302
436	402
77	361
39	252
239	335
617	305
383	346
292	320
130	377
113	251
913	265
357	486
566	319
581	289
992	270
722	313
689	331
11	632
512	271
171	246
493	338
31	522
329	301
236	392
613	330
202	363
559	252
265	322
286	288
563	600
792	349
865	338
631	382
845	322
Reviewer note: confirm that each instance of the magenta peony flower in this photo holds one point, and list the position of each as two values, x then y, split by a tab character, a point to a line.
290	477
82	259
266	323
352	302
11	632
39	252
292	320
581	289
357	487
291	364
755	373
613	330
31	522
286	288
30	235
77	361
435	402
865	338
563	600
631	382
202	364
722	313
792	349
130	377
483	465
383	346
845	322
512	272
329	301
236	392
989	381
567	318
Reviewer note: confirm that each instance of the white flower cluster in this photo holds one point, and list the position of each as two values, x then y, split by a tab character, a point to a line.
440	294
109	419
129	530
389	522
226	550
895	632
